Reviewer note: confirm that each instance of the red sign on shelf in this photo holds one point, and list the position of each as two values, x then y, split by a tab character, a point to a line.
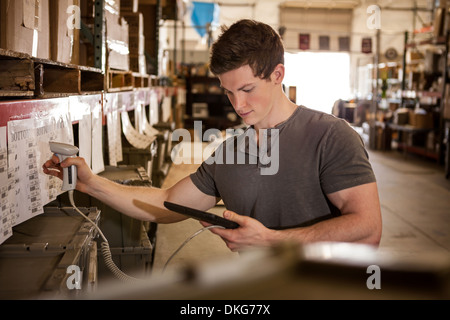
304	41
366	46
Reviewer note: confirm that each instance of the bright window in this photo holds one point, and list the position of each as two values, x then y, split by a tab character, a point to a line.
321	78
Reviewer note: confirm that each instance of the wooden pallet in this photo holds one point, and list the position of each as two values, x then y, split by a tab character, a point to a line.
17	76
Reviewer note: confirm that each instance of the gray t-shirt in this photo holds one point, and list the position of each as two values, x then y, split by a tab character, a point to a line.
283	182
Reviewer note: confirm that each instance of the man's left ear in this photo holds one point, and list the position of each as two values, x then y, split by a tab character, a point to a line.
278	74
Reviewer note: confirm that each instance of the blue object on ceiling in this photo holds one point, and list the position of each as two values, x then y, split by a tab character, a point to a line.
203	14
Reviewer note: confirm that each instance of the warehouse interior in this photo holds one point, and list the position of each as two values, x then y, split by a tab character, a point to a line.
120	79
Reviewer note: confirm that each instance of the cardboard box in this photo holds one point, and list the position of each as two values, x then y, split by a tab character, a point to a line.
401	116
129	6
138	63
76	39
136	45
136	32
87	54
151	40
64	35
117	39
135	22
87	8
25	27
113	6
422	121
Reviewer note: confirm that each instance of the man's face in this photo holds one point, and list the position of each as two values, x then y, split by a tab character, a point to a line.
251	97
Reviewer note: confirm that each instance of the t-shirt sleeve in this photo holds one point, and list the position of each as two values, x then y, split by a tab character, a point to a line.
203	178
344	159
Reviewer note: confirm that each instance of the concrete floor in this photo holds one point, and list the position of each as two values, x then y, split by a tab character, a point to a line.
415	202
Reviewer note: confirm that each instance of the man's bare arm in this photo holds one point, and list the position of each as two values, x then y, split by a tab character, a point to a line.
360	220
141	203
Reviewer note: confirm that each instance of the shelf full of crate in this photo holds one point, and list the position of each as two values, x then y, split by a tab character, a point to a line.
26	76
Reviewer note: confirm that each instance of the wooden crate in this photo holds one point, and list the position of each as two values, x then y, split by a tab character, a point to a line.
118	80
17	75
54	79
141	80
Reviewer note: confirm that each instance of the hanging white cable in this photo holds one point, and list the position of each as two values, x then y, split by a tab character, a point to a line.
105	249
186	242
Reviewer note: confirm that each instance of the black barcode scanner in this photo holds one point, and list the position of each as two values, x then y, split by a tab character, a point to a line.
64	151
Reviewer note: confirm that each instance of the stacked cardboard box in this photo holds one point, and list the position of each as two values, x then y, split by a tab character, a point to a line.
129	5
24	27
112	6
421	120
136	41
46	29
135	22
117	42
50	29
87	52
64	31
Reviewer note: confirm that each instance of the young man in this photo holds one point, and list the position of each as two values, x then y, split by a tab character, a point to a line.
322	187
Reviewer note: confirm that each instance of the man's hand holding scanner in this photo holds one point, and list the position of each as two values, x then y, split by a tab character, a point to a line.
55	168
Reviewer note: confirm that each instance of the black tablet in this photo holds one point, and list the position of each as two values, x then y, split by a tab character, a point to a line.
201	215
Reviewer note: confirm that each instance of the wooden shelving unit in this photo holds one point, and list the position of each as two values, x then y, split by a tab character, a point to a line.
206	90
43	90
420	88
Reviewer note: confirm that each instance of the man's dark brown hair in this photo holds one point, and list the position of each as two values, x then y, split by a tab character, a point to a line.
247	42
